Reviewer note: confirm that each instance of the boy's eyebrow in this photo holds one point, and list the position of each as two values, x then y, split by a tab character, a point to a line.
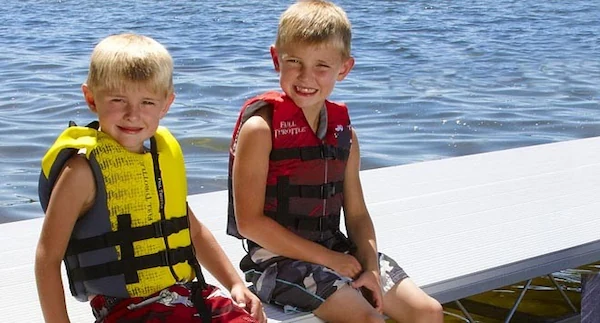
113	93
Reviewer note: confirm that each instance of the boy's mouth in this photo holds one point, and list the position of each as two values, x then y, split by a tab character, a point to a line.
305	90
130	130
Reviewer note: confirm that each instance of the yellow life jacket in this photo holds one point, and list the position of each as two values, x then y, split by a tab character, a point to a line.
135	239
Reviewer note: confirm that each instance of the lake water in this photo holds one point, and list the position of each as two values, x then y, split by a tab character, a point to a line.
433	79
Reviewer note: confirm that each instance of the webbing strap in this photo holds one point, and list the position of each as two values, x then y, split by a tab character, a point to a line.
310	153
323	191
307	223
161	196
114	238
118	267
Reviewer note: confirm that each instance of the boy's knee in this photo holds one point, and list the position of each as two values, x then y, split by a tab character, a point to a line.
428	311
369	317
374	318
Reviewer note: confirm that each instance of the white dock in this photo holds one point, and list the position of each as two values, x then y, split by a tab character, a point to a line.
458	226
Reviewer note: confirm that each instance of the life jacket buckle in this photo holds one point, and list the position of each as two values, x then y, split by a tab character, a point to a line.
327	190
328	152
158	229
167	257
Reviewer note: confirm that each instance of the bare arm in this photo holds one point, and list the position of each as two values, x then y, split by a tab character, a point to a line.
73	193
210	254
360	230
250	171
212	257
358	221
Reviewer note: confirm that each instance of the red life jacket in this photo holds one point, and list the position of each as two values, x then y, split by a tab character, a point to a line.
306	174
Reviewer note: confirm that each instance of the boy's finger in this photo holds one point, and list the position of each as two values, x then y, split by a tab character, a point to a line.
258	312
256	309
378	303
357	283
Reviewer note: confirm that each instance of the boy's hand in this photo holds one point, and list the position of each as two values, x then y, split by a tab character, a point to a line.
370	285
344	264
248	301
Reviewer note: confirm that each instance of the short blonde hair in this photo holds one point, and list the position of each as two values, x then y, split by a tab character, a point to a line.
120	59
315	22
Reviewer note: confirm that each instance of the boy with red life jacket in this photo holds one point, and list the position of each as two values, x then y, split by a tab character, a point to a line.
116	210
294	165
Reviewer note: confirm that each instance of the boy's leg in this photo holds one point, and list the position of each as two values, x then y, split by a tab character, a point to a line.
347	305
311	288
406	302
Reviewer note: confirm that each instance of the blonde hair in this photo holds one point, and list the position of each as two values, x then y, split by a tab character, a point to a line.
120	59
315	22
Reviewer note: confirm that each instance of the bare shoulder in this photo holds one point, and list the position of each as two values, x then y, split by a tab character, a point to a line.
72	195
354	158
79	167
76	180
253	145
354	137
354	203
257	129
260	120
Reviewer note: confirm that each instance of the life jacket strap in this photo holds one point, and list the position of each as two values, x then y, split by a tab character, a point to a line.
310	153
323	191
307	223
119	267
127	235
200	303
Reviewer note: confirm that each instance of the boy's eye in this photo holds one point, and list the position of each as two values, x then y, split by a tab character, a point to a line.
293	61
117	100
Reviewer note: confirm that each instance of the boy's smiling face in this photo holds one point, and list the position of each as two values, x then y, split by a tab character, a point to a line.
308	72
129	115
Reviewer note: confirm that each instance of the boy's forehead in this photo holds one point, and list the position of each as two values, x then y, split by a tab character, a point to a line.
328	48
128	86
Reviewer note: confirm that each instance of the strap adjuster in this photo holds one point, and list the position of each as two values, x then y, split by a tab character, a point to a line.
327	190
328	152
158	229
166	257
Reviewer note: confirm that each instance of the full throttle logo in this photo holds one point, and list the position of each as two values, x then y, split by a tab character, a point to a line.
289	128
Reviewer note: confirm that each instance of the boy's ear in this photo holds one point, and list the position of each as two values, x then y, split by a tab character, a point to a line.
167	106
275	57
89	97
347	66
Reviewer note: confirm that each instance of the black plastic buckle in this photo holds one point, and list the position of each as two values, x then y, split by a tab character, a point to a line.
328	152
172	256
327	190
166	255
158	229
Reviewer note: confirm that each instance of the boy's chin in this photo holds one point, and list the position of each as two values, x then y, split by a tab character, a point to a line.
308	104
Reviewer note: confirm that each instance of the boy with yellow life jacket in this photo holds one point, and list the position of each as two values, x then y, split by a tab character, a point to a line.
116	210
294	165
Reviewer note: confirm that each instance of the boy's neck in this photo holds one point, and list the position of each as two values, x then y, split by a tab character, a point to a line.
317	120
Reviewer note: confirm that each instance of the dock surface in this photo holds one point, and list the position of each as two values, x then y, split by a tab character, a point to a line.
458	226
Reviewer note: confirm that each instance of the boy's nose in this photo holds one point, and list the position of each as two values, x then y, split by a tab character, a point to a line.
132	111
304	74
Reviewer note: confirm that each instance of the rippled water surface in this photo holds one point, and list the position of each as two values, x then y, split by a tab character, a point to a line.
433	79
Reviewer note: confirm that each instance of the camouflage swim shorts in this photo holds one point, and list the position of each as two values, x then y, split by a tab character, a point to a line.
304	286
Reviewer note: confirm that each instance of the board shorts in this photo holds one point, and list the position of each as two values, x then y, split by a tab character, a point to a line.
300	286
175	304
